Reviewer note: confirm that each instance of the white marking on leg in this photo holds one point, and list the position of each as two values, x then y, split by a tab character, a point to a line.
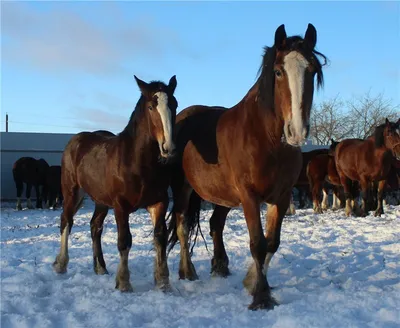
165	113
295	65
64	242
266	263
325	200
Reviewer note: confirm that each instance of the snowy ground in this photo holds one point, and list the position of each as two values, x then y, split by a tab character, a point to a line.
330	271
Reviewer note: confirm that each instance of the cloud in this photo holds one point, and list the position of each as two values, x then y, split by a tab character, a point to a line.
59	39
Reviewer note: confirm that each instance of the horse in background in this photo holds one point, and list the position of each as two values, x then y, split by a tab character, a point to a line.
32	172
367	161
124	172
236	156
302	184
322	176
54	195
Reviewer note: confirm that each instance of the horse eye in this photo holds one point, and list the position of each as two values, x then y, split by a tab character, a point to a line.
278	73
150	107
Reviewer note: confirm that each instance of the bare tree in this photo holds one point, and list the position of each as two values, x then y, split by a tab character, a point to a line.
328	121
367	111
355	118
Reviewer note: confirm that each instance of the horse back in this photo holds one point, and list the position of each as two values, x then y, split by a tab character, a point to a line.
30	170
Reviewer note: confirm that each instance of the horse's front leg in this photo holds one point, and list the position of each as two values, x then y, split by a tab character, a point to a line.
220	261
96	229
124	246
161	272
255	280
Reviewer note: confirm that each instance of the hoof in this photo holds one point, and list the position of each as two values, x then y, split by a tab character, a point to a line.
378	212
59	268
164	287
267	303
124	286
318	210
190	274
19	208
100	270
219	268
335	208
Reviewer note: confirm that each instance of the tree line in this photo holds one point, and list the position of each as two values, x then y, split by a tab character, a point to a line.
357	117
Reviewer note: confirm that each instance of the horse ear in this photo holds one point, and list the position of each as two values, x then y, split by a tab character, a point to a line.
311	36
141	84
333	141
172	84
280	37
387	121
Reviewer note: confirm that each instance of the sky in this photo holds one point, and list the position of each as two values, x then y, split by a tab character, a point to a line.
69	66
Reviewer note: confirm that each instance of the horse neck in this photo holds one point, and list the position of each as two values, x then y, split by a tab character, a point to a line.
264	121
137	137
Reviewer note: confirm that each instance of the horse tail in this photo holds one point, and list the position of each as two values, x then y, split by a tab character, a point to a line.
192	219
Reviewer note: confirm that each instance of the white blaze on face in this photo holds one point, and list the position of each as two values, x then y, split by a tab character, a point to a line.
295	65
165	113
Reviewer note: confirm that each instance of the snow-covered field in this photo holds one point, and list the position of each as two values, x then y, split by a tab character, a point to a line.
330	271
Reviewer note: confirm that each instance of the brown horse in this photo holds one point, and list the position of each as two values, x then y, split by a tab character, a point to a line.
368	161
124	172
236	156
302	184
322	176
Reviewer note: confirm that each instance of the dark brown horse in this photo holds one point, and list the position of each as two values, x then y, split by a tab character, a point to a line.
368	161
236	156
125	172
302	183
32	172
322	176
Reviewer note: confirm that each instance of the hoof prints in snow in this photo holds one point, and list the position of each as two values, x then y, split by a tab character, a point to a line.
329	271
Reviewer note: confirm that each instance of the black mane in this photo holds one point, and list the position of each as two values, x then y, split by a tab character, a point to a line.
266	71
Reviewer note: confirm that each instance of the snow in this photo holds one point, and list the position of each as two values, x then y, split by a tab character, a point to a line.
330	271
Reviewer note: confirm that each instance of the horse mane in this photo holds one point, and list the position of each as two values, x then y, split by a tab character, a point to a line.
265	73
379	135
139	111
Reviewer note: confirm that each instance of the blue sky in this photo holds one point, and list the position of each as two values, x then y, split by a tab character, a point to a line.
69	66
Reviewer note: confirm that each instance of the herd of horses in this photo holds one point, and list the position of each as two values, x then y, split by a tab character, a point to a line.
44	178
246	155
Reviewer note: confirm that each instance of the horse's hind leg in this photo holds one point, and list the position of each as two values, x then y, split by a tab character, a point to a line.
73	200
96	229
381	189
124	246
161	272
220	261
28	196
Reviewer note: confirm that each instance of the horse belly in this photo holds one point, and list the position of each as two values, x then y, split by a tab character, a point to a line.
209	180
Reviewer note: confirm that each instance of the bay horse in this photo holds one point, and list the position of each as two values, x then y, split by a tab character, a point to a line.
302	183
322	176
236	156
368	161
53	183
32	172
124	172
